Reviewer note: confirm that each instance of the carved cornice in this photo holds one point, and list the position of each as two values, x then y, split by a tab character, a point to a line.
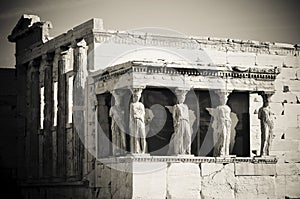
220	71
192	159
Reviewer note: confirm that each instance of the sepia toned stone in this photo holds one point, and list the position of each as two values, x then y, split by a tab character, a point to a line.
223	178
292	186
150	180
286	169
246	169
90	95
183	180
255	187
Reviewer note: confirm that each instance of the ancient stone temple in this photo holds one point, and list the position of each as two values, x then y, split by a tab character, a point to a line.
112	114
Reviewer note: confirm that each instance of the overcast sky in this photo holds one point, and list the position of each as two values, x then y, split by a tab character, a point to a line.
263	20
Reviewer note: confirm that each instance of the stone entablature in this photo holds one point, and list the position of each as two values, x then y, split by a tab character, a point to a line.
93	32
145	73
194	42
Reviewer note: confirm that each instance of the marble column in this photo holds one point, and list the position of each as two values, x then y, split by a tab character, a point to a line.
47	62
79	103
221	124
61	115
137	131
33	120
118	127
266	124
181	142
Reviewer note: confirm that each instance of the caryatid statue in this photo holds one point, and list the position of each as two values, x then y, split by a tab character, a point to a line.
266	125
137	123
117	125
181	139
221	125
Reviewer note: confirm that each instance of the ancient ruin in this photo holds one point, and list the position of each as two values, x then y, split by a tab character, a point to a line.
115	114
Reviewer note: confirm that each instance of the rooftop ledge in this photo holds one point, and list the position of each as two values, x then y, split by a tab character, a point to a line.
187	159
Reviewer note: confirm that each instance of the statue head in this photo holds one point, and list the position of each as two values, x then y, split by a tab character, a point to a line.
266	102
117	96
223	96
136	94
180	94
266	99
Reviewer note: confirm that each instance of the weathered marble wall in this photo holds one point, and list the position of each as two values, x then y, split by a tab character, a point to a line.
194	180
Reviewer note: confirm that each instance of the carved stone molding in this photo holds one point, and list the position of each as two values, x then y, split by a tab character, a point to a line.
192	159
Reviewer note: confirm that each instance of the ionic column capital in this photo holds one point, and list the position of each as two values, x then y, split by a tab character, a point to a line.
34	64
62	52
79	44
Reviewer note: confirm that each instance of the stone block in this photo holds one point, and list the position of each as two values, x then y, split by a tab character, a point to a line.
286	169
266	187
250	169
280	187
121	180
298	166
284	97
292	61
217	57
254	121
293	86
255	187
279	83
293	133
298	73
269	60
280	155
284	145
183	180
292	111
288	73
149	180
281	123
209	168
276	108
292	156
104	193
220	183
255	138
292	186
103	176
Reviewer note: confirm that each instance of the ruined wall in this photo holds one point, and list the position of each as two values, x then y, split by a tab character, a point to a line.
169	179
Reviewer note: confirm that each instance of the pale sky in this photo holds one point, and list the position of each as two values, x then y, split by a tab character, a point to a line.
263	20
